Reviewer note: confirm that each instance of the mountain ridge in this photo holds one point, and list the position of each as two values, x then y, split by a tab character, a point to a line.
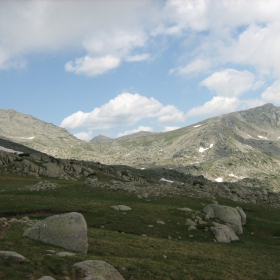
228	147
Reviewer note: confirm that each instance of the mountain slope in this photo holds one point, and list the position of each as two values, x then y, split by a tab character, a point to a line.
229	147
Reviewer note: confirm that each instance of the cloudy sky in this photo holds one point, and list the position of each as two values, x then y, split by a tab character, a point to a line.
122	66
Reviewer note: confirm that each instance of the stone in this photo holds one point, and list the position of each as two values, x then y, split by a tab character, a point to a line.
242	215
223	233
94	268
2	220
192	228
68	231
46	278
121	207
185	209
14	221
15	255
225	213
161	222
189	222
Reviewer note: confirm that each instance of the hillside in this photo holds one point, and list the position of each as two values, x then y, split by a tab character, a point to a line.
225	148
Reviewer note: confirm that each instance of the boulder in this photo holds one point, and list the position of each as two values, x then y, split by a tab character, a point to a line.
189	222
223	233
68	231
121	207
46	278
227	214
98	268
15	255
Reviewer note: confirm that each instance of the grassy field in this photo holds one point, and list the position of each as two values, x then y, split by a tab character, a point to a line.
116	237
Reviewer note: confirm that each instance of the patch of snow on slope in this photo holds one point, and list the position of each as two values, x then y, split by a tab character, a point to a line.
234	176
197	125
28	138
201	149
9	150
219	180
262	137
164	180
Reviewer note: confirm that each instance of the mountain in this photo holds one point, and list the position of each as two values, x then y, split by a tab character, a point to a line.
101	138
224	148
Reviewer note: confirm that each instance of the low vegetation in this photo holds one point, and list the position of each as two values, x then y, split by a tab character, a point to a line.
166	252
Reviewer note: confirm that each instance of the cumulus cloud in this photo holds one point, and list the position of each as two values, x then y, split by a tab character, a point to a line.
229	82
86	136
103	29
92	66
140	128
170	128
125	109
218	105
272	93
194	68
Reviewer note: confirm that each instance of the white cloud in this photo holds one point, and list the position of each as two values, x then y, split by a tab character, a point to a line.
196	67
92	66
218	105
125	109
101	28
230	82
272	93
170	128
86	136
140	128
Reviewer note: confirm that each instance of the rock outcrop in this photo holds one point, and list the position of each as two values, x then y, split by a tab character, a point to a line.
68	231
226	214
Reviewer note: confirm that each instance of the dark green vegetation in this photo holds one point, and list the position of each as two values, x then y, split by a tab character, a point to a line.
117	238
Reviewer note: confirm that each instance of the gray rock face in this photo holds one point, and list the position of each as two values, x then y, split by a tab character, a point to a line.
227	214
223	233
98	268
68	231
15	255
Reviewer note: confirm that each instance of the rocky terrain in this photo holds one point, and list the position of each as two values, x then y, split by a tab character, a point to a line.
159	183
227	148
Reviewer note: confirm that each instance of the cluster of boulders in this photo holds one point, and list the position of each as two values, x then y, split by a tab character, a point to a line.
42	185
234	192
38	164
234	219
4	222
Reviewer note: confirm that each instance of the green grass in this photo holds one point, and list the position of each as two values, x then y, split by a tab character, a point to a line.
117	238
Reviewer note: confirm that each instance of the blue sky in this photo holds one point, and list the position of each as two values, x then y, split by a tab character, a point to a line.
118	67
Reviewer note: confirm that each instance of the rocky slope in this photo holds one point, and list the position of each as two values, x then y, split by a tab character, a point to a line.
225	148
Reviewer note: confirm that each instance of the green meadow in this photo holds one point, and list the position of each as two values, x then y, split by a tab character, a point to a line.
166	252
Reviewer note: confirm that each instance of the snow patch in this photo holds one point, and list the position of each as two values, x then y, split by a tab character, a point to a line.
9	150
164	180
28	138
197	125
201	149
262	137
220	179
234	176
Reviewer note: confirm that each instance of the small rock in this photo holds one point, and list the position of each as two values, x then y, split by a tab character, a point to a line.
160	222
192	228
185	209
15	255
150	226
46	278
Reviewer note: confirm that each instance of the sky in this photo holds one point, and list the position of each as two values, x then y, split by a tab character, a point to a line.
116	67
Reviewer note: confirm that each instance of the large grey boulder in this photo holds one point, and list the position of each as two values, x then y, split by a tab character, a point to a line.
68	231
223	233
227	214
98	268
